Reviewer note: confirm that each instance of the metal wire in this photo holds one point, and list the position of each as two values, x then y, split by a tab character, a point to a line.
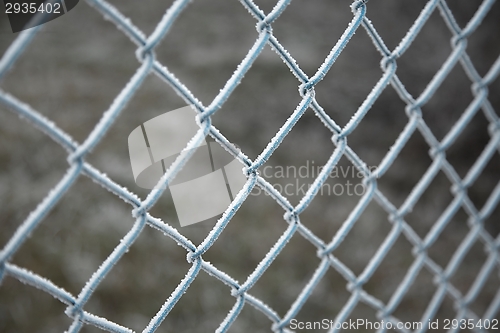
140	208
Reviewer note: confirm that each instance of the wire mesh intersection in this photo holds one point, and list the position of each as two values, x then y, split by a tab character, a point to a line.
146	56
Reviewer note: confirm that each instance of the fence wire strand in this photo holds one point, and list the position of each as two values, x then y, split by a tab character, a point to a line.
306	85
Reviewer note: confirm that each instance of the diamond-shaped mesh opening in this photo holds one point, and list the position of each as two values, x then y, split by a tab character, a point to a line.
445	312
319	307
391	270
363	311
449	102
406	171
385	22
482	47
495	98
240	117
307	130
341	97
325	22
30	310
284	268
145	18
370	229
411	306
237	240
471	264
298	271
383	124
431	205
73	78
205	45
463	12
486	295
491	224
482	189
112	155
477	131
336	198
293	176
447	242
202	308
86	236
250	319
26	177
167	268
432	47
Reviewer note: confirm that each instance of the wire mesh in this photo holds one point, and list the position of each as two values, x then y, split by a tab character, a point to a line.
146	45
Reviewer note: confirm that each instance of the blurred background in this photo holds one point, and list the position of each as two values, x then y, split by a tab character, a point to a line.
78	63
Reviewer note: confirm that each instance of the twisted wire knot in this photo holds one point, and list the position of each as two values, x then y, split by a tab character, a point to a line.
437	151
238	291
420	249
193	256
355	285
370	180
339	139
139	211
251	170
306	89
459	188
395	217
358	4
264	26
144	53
441	279
494	128
459	41
77	157
74	311
389	61
291	217
203	120
479	87
413	110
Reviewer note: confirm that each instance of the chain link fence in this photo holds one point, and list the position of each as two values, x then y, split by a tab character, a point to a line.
295	225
